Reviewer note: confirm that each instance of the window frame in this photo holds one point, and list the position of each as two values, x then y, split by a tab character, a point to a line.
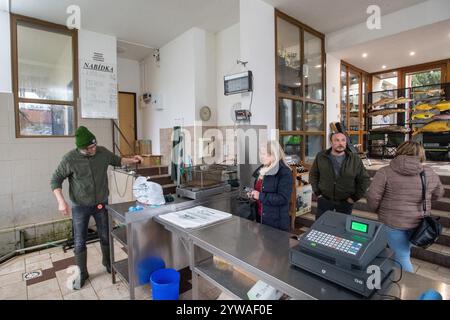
363	84
302	97
52	27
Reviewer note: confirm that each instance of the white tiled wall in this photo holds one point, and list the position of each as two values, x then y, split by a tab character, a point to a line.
26	166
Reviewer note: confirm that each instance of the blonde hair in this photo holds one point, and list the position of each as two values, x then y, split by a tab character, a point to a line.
411	148
274	149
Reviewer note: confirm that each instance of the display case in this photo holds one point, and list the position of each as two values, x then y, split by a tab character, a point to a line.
418	113
430	119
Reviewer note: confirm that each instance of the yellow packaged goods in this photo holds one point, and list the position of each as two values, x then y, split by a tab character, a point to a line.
435	126
443	106
423	107
423	116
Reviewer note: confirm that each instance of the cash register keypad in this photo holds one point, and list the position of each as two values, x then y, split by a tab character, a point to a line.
333	242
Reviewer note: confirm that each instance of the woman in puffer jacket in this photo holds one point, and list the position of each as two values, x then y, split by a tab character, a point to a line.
273	187
396	195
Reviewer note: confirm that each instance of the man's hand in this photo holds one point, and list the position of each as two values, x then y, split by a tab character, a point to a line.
350	200
64	208
133	160
138	159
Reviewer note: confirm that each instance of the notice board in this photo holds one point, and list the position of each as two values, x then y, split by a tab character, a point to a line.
97	55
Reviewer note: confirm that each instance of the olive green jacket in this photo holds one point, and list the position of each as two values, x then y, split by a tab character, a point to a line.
88	177
353	181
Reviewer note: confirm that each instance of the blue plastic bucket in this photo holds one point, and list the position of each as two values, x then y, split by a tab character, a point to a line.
165	284
147	266
430	295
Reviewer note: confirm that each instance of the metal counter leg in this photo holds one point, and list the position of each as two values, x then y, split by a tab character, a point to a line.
131	275
195	276
111	246
195	286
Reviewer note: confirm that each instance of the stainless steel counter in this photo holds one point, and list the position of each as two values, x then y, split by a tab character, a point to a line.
263	252
142	234
260	251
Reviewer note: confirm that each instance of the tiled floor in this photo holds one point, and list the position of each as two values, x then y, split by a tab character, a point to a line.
53	263
51	285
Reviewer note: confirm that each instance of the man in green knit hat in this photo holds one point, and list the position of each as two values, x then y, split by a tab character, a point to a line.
86	168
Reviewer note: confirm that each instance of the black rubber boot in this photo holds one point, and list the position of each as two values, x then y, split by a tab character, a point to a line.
106	259
81	261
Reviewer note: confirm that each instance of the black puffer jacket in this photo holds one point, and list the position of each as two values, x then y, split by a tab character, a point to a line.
275	196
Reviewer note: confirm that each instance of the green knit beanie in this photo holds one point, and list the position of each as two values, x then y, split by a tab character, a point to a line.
84	138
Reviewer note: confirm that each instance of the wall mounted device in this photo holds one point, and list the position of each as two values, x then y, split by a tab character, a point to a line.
340	248
147	97
238	83
242	115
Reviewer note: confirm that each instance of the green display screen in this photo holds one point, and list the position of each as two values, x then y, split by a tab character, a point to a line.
360	227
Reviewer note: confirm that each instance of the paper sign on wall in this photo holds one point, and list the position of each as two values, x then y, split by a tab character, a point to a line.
98	75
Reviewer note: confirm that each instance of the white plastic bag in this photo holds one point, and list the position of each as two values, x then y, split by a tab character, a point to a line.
148	192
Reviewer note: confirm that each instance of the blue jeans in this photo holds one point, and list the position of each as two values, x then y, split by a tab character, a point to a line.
398	241
80	221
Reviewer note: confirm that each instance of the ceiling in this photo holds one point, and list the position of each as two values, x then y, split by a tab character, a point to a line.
150	23
132	51
344	13
430	43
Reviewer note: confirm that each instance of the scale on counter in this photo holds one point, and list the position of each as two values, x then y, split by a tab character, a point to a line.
199	182
341	247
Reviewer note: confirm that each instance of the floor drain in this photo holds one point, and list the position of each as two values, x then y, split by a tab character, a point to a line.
31	275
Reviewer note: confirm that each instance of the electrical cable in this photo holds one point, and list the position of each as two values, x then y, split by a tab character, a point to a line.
251	99
391	297
401	271
117	188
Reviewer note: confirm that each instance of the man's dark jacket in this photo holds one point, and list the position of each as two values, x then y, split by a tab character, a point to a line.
352	182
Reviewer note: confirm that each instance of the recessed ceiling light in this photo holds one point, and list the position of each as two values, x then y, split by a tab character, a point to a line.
364	55
412	53
384	67
298	84
318	66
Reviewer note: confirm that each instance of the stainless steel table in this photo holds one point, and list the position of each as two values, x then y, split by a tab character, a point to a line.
141	235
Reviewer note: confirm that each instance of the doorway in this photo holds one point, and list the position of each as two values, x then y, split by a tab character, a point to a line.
127	123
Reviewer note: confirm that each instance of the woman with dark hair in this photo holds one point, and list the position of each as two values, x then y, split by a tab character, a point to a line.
273	187
396	195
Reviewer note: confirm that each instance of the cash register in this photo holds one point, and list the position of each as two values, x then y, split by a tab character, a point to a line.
340	248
